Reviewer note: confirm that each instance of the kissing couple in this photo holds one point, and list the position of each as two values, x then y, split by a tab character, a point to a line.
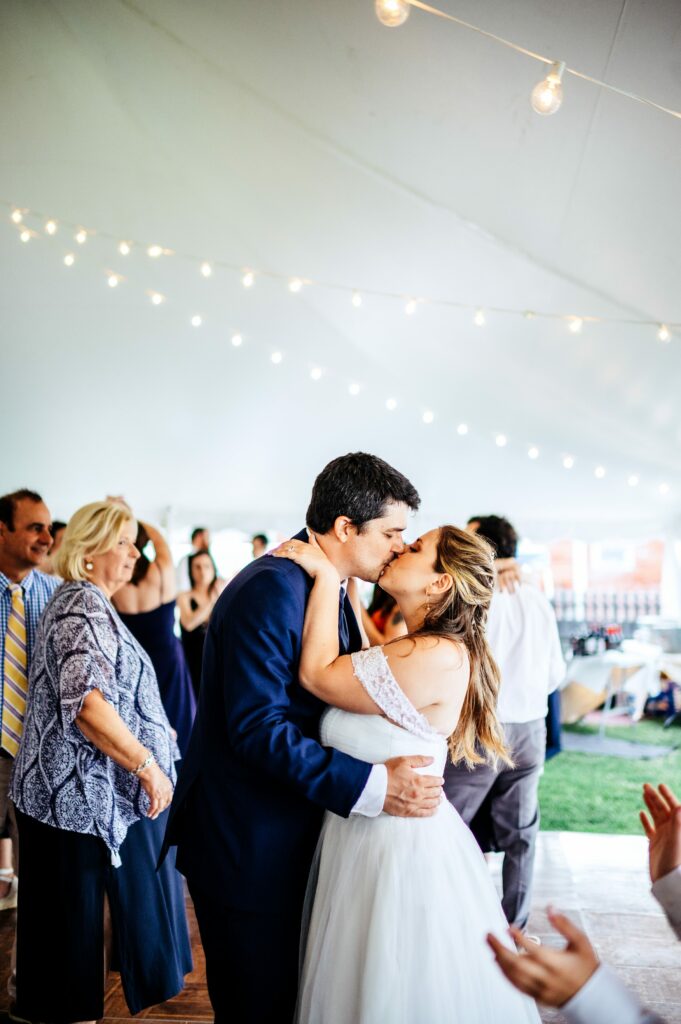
332	882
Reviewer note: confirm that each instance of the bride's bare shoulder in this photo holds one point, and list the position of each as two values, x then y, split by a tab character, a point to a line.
437	652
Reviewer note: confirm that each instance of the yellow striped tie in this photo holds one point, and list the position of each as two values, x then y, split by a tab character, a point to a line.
15	679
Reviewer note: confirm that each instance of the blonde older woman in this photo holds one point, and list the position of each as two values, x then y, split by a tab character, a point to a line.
91	783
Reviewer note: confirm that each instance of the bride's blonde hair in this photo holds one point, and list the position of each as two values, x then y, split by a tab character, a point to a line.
461	615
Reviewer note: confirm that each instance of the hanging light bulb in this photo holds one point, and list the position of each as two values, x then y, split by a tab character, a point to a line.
530	314
113	280
81	236
276	358
410	307
663	489
315	373
568	462
462	429
196	320
294	285
69	259
51	227
533	452
155	251
237	340
156	298
248	280
428	416
124	248
599	472
547	95
206	269
664	334
26	235
479	318
391	404
356	300
501	440
392	13
575	324
633	480
354	390
16	216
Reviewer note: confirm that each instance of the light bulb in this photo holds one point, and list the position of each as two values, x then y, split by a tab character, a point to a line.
568	462
547	95
51	227
500	440
392	13
428	416
354	390
157	298
663	489
112	280
16	216
25	235
276	358
295	284
124	248
529	314
356	300
206	269
664	334
196	320
599	472
69	259
479	318
633	480
315	373
462	429
410	307
81	236
237	340
533	452
154	251
248	280
575	324
391	404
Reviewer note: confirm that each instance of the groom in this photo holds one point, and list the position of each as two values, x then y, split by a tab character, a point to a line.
255	781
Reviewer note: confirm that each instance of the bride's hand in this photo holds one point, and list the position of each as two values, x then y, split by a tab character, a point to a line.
309	557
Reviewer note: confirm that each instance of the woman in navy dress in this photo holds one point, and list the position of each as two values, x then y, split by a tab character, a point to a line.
146	605
196	606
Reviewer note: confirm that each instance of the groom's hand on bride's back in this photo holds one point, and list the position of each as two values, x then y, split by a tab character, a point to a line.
411	795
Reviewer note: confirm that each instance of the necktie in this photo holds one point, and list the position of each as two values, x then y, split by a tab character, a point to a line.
343	630
15	679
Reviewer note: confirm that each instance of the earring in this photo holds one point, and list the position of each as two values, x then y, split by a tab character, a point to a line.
427	599
89	566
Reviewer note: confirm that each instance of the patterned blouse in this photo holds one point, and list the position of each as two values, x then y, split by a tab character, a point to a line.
59	777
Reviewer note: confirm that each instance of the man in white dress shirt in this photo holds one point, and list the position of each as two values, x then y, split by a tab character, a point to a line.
523	636
572	978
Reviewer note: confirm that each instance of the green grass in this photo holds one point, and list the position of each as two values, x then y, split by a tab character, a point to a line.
590	793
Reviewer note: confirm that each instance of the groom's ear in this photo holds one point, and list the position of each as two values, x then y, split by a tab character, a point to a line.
343	529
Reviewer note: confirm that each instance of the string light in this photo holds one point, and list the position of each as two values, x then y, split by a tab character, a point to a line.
354	390
462	429
356	300
206	269
391	404
599	472
410	307
501	440
529	314
124	248
428	416
294	285
51	227
69	259
248	280
392	13
568	462
315	373
633	480
237	340
479	318
196	320
663	489
154	251
533	452
113	280
156	298
16	216
575	324
664	334
26	235
547	95
81	236
276	358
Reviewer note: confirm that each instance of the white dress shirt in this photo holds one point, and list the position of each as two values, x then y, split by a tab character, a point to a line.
605	998
523	635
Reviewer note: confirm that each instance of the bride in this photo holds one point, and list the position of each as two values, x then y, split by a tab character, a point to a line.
397	909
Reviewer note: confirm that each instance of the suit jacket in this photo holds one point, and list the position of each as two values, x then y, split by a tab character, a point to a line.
255	781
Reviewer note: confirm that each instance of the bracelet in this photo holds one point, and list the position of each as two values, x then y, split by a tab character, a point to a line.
149	759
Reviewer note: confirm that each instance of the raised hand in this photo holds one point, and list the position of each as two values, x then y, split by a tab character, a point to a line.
551	975
664	834
309	557
409	794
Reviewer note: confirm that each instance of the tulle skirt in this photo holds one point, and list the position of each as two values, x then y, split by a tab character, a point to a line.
394	927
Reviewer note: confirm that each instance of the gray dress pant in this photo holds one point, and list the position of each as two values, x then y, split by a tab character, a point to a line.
510	798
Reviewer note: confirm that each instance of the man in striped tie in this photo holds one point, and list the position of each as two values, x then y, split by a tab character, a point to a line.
24	591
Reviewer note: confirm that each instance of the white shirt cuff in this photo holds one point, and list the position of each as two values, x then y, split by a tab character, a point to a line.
372	797
604	998
667	892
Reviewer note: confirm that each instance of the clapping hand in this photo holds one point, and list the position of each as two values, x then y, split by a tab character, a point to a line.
551	975
664	834
309	557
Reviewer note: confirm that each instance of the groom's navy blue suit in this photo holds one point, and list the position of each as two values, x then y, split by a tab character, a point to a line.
252	789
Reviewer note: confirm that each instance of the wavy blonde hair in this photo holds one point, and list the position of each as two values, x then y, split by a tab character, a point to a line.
93	530
461	615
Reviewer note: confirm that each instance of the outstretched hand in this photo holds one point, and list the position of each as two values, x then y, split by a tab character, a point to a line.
309	557
551	975
664	834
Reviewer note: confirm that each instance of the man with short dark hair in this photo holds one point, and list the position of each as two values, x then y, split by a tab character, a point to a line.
255	781
259	544
25	540
523	635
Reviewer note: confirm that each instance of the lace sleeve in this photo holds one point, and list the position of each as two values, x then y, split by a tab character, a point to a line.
373	671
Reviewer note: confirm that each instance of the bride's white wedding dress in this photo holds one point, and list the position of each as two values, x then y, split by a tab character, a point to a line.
398	908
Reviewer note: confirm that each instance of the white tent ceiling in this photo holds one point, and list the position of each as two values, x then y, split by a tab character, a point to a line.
306	139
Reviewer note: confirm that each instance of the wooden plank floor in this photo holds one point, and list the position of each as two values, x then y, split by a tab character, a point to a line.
600	881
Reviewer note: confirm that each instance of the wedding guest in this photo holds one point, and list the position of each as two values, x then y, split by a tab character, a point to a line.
57	532
259	545
146	606
523	635
572	978
24	591
92	779
195	607
200	539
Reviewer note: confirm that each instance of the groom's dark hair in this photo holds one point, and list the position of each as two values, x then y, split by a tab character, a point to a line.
358	486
